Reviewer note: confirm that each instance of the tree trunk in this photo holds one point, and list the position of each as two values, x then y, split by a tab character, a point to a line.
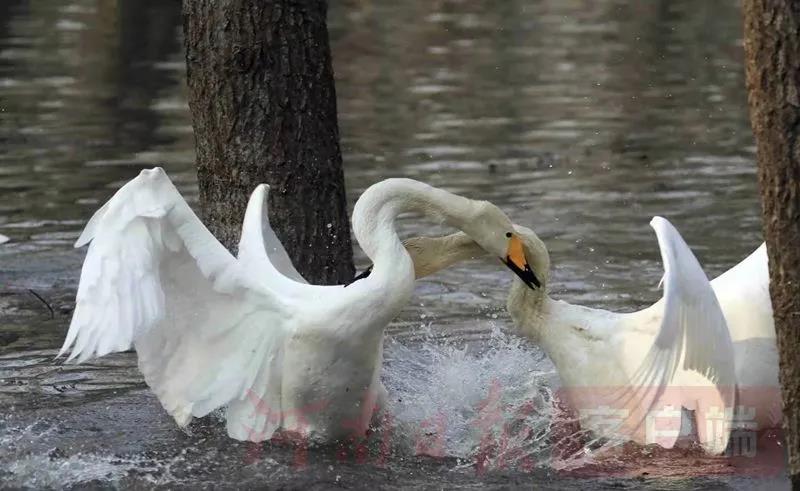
263	104
772	48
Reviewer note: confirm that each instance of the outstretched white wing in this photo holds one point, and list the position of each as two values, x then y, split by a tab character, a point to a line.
207	331
743	292
693	331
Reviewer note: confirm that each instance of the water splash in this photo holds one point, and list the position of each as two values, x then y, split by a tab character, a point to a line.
492	405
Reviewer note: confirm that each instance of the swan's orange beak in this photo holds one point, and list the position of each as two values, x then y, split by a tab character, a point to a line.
516	262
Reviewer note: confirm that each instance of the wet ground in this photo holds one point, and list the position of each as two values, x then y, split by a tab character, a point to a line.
581	119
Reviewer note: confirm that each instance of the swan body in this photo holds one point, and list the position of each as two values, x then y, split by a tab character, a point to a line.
704	346
586	345
248	333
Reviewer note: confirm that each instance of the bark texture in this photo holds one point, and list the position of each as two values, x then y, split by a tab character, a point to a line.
263	105
772	50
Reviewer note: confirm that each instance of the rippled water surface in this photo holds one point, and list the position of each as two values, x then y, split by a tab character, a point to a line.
581	119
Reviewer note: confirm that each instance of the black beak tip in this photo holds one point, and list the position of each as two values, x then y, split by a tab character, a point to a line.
360	276
526	275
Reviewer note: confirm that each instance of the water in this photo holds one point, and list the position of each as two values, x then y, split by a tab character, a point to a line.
581	120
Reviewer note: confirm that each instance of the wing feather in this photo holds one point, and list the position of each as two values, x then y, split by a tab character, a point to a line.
693	335
259	245
156	279
693	320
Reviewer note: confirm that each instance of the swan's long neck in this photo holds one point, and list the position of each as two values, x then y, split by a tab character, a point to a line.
550	322
376	210
433	254
530	310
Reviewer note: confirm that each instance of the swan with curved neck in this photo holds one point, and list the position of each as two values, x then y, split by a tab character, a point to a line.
247	332
596	350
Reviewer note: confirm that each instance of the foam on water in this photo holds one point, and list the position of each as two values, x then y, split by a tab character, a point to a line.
35	469
43	471
30	461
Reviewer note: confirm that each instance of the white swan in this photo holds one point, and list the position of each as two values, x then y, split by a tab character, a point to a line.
681	346
3	239
211	330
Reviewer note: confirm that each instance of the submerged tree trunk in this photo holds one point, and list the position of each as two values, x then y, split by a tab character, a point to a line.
263	105
772	48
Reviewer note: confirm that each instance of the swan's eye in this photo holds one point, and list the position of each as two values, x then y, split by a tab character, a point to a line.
508	234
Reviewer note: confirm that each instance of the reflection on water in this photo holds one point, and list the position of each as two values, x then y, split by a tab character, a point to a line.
581	119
